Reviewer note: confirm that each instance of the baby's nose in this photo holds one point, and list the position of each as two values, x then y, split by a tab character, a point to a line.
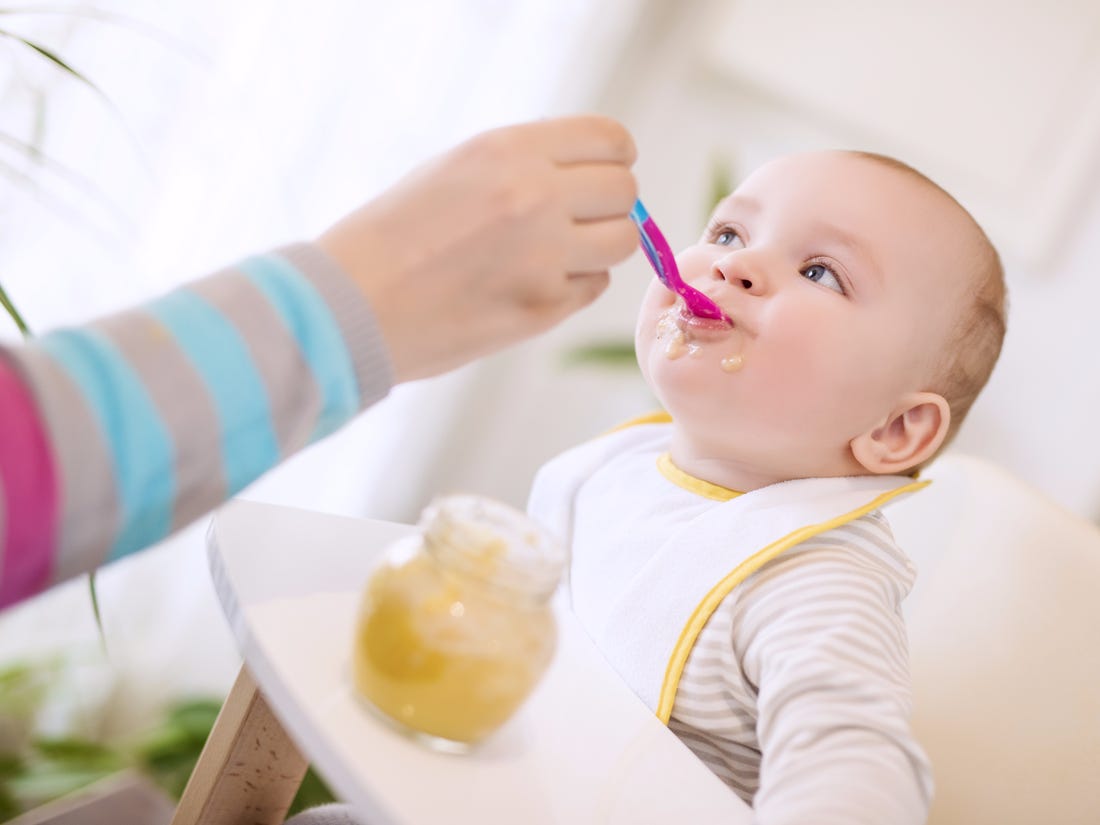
735	271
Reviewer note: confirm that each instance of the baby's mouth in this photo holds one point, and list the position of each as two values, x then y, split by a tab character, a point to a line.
683	333
702	328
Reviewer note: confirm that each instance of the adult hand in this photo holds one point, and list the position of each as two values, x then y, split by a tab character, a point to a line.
494	241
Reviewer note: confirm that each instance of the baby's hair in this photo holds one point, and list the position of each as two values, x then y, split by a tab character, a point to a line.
973	347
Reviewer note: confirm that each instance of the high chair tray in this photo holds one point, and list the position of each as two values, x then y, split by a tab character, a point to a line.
583	749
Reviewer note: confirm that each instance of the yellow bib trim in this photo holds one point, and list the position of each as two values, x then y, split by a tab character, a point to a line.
692	484
655	417
750	565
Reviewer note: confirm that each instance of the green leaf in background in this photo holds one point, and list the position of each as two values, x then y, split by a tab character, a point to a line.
50	768
164	38
93	594
312	792
9	808
722	182
9	307
169	752
56	767
56	60
616	354
53	58
23	688
32	151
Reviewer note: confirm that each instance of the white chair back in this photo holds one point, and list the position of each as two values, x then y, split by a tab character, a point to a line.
1006	667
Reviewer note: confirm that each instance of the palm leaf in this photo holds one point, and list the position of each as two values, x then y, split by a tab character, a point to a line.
42	51
9	308
70	176
53	58
100	16
56	204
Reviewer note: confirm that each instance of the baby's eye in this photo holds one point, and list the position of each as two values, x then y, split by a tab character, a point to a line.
821	274
727	237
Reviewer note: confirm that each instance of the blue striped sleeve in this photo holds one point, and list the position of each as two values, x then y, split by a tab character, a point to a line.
157	414
312	324
140	447
221	357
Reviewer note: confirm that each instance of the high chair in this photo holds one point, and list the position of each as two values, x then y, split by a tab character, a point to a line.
1006	676
1006	669
583	748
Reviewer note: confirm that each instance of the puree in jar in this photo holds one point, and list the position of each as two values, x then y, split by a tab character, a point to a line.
446	653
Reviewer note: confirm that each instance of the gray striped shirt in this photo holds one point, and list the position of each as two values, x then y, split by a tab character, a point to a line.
797	691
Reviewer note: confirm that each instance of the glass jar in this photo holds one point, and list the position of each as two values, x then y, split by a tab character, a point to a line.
455	627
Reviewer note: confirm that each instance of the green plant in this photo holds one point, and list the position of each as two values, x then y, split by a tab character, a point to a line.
614	353
722	182
35	769
9	307
30	149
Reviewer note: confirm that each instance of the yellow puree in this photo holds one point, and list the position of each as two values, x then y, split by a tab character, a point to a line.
444	655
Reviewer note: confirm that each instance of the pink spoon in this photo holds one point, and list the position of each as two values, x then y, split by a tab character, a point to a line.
660	256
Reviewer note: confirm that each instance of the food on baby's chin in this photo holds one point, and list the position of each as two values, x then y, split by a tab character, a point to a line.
732	363
676	346
676	340
679	341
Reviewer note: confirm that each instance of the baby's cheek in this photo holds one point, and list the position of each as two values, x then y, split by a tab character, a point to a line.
819	384
795	372
683	388
656	299
654	303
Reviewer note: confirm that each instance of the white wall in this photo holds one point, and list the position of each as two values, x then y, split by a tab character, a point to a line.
1036	416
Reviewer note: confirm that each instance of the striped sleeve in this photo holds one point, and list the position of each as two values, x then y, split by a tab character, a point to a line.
120	432
824	644
797	691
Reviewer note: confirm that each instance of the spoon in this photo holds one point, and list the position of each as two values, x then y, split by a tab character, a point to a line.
660	256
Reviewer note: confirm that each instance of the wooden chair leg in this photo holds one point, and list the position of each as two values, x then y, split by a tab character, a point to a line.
249	770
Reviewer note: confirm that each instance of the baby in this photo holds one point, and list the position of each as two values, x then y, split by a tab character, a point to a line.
730	558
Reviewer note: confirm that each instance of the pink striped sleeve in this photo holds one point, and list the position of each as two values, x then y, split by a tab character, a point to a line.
29	489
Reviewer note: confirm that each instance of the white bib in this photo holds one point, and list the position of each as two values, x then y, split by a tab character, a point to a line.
645	606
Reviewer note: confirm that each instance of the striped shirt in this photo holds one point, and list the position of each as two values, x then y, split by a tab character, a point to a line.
120	432
796	692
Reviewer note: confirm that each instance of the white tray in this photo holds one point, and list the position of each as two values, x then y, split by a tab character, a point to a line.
583	749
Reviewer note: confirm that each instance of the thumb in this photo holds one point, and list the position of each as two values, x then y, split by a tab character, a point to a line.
582	288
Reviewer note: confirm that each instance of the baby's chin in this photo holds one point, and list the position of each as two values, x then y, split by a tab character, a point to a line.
677	379
696	357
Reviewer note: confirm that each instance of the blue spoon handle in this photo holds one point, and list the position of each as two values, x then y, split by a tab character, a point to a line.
662	260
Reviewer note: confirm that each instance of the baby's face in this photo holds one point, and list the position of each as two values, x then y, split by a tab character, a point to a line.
840	276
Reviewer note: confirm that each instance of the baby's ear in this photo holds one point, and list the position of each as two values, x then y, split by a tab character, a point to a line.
909	435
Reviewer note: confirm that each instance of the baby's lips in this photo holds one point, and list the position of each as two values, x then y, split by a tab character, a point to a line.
704	326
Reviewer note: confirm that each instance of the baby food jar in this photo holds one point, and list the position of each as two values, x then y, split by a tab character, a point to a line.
455	627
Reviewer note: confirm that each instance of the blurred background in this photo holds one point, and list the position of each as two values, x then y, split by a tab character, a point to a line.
180	136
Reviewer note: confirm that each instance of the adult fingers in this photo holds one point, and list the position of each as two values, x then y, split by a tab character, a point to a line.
582	288
587	287
579	139
598	190
596	245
